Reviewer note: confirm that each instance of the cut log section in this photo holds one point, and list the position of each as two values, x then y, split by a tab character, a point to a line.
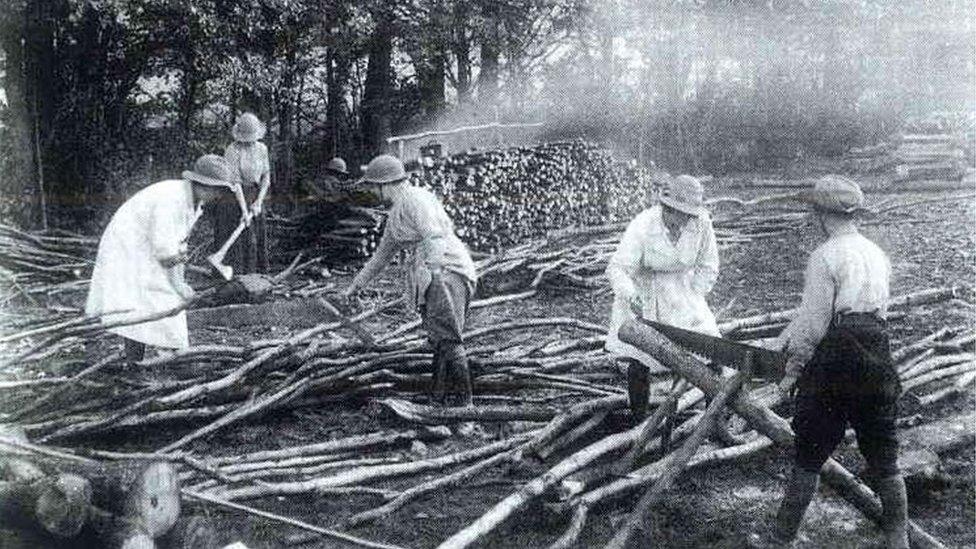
55	505
146	492
191	532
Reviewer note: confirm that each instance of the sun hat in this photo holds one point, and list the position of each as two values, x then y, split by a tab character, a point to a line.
337	166
383	170
248	128
210	169
684	193
836	194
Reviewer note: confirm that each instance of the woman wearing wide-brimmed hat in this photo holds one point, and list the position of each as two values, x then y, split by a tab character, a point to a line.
665	265
141	256
248	158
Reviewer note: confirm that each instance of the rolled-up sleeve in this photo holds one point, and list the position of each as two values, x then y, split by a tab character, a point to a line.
808	328
707	262
626	260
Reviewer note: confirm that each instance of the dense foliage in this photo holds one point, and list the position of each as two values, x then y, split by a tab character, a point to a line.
103	96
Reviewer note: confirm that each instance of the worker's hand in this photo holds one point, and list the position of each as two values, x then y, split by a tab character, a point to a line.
246	217
186	291
637	306
785	387
256	209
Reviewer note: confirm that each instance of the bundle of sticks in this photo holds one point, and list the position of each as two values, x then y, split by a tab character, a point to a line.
51	263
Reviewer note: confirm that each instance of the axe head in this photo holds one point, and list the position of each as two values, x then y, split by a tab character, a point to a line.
226	271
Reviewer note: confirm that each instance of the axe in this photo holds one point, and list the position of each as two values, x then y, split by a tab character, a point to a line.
216	259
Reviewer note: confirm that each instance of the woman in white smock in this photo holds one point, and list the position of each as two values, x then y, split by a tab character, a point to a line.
141	257
665	265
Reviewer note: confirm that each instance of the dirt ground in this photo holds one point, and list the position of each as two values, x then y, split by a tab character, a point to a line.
931	245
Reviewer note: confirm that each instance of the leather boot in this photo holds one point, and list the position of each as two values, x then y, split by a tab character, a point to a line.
894	514
799	492
638	389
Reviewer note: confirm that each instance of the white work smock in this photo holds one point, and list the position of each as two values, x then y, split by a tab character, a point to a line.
672	280
151	226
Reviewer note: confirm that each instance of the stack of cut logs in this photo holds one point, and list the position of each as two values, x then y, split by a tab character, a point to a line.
559	387
929	156
500	198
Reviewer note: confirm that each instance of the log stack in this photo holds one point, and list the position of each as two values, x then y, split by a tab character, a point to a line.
929	156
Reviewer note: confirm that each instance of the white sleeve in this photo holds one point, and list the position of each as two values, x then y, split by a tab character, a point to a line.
706	264
627	260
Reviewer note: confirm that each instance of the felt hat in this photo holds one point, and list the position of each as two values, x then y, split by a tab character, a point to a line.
337	166
212	170
248	128
835	194
684	193
383	170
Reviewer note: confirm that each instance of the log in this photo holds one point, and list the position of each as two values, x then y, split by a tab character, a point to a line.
191	532
640	518
573	435
57	505
426	488
931	295
359	442
145	491
648	428
439	415
120	532
290	521
365	474
961	386
762	419
536	487
929	377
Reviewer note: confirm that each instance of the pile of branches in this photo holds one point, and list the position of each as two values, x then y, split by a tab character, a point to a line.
44	263
558	393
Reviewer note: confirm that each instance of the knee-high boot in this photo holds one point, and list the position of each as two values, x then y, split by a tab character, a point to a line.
638	388
894	514
799	492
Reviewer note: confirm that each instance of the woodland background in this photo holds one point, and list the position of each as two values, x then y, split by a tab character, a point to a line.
100	97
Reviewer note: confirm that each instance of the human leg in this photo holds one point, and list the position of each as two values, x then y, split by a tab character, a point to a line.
135	351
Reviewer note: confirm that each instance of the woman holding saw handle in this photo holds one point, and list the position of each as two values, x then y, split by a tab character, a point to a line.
665	265
142	253
248	159
440	275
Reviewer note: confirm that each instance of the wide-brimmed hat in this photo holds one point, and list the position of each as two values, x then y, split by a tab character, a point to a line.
684	193
385	169
248	128
211	169
835	194
337	166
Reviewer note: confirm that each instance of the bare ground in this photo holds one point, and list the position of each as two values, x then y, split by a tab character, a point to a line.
932	245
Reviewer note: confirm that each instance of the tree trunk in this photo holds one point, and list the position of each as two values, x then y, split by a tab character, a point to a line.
461	47
376	96
490	47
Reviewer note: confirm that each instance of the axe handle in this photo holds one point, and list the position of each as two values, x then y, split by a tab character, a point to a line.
219	256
